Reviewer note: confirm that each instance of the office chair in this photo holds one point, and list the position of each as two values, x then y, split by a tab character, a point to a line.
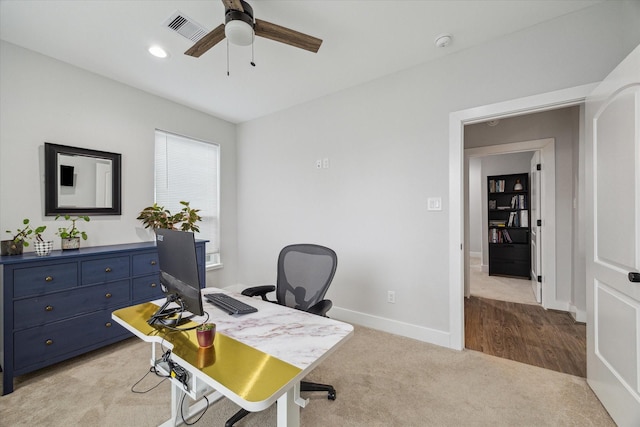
305	272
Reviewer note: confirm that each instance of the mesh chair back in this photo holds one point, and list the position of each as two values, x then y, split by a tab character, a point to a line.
305	272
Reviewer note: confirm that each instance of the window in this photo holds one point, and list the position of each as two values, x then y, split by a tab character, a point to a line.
188	170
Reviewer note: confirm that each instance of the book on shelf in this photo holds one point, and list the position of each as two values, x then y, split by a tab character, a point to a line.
496	185
518	202
524	219
499	236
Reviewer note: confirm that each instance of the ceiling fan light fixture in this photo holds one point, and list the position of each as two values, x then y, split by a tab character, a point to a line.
239	32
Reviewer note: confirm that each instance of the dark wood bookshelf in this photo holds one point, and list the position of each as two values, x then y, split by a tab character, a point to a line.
508	225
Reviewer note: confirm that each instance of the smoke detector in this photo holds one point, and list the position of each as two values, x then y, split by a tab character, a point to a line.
443	40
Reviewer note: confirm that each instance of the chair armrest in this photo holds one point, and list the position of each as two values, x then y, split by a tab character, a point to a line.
321	307
260	291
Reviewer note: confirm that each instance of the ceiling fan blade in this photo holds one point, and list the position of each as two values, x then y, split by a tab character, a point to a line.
233	5
285	35
207	42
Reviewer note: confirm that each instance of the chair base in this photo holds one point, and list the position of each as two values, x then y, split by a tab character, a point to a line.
307	386
304	386
236	417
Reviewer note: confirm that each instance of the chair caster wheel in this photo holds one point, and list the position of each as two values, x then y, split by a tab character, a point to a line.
331	395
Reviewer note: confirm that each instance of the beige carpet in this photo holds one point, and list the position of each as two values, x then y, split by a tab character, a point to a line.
381	380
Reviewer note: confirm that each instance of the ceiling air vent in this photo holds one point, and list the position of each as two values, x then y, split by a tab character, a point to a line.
185	26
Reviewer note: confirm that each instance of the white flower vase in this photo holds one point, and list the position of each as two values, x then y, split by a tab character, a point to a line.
43	248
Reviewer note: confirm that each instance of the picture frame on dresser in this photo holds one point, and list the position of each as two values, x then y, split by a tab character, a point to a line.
58	307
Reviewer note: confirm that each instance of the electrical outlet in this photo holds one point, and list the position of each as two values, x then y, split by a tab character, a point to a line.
318	164
325	163
391	297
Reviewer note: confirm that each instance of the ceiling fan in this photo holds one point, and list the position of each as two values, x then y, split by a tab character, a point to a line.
240	27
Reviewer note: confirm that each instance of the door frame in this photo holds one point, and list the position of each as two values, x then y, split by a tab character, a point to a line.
546	148
457	121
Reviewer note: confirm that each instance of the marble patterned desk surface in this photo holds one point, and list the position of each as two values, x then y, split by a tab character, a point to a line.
296	337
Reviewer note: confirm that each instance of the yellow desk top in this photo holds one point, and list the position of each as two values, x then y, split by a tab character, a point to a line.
249	373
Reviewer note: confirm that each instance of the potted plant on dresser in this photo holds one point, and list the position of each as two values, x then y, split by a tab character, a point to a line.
20	238
158	217
70	236
40	246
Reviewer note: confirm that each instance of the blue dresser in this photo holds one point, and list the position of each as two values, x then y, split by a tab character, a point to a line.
59	306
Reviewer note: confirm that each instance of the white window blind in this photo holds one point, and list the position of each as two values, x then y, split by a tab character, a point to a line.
188	170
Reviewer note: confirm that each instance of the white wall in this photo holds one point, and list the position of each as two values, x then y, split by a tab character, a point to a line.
387	142
44	100
474	203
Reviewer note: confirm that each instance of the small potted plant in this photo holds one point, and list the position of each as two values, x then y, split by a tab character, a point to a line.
71	235
41	246
18	241
206	332
158	217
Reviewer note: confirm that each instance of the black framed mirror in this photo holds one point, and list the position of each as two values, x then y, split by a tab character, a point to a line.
79	181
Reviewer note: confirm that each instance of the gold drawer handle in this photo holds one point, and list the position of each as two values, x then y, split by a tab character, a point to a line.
108	295
153	285
153	263
48	342
108	324
48	308
108	269
48	279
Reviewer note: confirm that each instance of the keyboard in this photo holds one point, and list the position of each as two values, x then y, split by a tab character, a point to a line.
229	304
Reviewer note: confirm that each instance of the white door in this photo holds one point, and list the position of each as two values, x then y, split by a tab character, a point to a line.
612	169
536	238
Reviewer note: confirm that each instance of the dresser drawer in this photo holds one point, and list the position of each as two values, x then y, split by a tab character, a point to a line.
104	269
145	263
39	344
53	307
42	279
146	288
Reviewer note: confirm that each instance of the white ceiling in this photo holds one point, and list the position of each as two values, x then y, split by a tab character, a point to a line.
363	40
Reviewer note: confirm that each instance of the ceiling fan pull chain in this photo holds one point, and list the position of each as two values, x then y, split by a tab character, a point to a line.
252	56
227	57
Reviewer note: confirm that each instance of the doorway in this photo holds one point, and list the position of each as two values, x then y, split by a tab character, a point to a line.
457	121
502	317
502	161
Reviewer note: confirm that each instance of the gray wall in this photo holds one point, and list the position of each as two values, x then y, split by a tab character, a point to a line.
45	100
474	203
387	141
388	145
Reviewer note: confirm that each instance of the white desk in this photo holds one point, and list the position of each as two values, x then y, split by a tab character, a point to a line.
257	358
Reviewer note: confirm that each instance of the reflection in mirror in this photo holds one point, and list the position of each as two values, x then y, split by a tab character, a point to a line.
84	182
81	181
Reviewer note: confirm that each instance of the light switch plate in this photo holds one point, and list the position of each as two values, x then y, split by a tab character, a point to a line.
434	203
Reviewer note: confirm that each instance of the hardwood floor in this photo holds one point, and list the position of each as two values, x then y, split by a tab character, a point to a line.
526	333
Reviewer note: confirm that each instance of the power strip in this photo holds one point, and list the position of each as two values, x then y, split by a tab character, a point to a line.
166	364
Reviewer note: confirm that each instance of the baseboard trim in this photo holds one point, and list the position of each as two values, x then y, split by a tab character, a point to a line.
578	315
396	327
420	333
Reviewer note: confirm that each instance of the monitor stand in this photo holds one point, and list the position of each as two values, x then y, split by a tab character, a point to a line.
166	316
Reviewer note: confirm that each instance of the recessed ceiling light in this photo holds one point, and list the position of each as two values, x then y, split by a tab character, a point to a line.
158	52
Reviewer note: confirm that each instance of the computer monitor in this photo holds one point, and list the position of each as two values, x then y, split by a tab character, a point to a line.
178	277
